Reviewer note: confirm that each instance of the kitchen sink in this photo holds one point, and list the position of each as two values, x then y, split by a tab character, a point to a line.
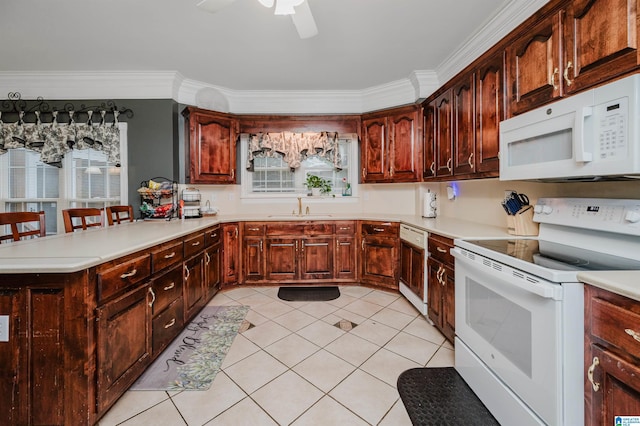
306	216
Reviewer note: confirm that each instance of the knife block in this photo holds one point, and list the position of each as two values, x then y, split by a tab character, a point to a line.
522	222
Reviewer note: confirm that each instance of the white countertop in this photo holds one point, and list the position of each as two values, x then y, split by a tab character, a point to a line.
73	252
624	283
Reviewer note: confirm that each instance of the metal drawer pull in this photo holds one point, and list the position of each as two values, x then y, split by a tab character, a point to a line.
441	250
254	229
378	229
170	323
170	286
153	297
214	235
433	168
195	244
566	74
207	258
129	274
261	245
632	333
470	161
170	255
594	364
186	273
449	164
553	78
345	228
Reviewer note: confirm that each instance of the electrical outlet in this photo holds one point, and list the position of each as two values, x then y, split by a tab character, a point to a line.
4	328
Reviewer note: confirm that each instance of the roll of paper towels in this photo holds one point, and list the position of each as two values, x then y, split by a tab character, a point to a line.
429	205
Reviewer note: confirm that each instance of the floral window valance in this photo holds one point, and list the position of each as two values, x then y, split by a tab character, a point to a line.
294	148
53	138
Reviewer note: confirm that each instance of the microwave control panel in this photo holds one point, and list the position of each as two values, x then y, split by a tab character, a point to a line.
612	130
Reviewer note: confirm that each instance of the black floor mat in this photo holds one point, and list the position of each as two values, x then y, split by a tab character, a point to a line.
308	294
439	396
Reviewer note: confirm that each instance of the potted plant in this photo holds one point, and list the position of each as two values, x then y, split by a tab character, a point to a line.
318	185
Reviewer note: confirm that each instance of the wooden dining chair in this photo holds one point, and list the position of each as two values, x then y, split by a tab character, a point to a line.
119	214
23	225
87	218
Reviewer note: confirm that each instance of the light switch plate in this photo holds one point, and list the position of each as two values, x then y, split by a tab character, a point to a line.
4	328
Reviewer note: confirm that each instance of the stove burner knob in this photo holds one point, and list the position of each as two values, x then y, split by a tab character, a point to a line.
632	217
542	209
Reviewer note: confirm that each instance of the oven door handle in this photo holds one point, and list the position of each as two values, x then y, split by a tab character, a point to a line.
544	289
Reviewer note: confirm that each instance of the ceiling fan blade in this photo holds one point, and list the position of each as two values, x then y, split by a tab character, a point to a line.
214	6
304	22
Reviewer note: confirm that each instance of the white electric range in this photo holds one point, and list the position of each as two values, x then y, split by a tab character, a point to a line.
520	308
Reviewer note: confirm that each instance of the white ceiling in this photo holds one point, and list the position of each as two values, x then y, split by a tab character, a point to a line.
361	43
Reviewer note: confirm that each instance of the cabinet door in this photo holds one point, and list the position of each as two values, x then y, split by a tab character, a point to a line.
230	254
464	126
402	147
448	303
374	150
601	41
282	259
194	291
123	343
253	258
429	140
444	135
379	259
618	382
213	269
489	113
434	305
534	66
345	258
212	147
316	258
411	268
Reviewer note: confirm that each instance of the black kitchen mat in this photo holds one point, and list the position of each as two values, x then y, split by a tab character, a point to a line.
439	396
308	294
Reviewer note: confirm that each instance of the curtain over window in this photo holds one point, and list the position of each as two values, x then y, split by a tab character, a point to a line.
53	140
294	148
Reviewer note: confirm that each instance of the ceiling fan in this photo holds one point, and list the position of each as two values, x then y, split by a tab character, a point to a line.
301	15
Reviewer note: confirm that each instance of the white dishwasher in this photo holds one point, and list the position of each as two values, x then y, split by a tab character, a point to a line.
413	266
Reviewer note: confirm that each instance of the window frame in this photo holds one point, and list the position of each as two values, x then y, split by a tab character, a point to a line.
299	188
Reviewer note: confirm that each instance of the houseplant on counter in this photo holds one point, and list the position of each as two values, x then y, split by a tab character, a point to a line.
318	185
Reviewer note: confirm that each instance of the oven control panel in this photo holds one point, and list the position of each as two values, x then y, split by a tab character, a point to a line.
600	214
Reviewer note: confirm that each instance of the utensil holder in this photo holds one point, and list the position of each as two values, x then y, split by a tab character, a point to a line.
522	222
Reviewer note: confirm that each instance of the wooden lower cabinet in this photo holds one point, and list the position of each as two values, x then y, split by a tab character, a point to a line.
194	290
230	253
380	244
412	268
441	294
123	344
346	257
612	357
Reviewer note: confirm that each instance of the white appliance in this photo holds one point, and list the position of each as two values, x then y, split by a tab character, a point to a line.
520	308
590	135
419	239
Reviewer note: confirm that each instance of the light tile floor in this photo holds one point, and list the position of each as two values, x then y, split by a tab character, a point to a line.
296	367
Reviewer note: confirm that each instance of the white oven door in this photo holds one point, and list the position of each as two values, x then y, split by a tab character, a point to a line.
512	322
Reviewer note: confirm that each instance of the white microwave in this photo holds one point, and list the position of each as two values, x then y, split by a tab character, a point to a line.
588	136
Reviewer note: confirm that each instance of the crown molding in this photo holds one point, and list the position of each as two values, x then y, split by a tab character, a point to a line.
509	16
90	84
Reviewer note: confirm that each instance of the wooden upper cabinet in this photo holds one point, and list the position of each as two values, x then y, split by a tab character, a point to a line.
389	146
534	68
464	134
443	134
429	140
212	146
601	41
489	113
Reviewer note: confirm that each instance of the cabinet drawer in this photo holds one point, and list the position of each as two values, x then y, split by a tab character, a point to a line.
212	236
439	248
167	288
114	279
616	325
346	227
299	229
167	325
193	245
166	256
253	229
380	228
